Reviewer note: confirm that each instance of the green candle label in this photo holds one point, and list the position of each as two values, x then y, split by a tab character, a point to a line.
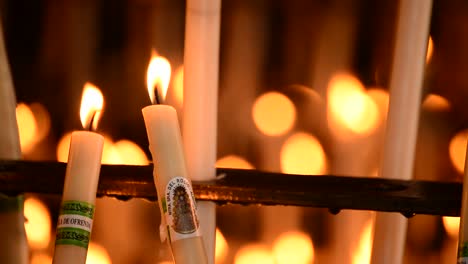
180	209
463	253
75	223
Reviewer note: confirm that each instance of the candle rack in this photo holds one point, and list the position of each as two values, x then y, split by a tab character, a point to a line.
252	187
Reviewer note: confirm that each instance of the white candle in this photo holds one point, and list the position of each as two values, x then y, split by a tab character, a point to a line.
402	123
175	194
201	60
79	192
462	255
13	245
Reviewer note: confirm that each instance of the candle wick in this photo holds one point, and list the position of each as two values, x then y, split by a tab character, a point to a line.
157	98
91	121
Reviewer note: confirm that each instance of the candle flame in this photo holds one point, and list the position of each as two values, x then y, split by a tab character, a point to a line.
92	103
158	77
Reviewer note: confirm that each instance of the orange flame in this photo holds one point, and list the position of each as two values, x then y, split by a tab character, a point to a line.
158	77
92	103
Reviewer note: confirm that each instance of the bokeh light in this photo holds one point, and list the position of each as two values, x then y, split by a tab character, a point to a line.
222	247
362	254
41	258
27	127
42	117
97	254
178	85
273	113
38	224
350	106
293	247
381	99
233	162
430	49
302	153
63	146
130	153
434	102
254	253
457	150
451	225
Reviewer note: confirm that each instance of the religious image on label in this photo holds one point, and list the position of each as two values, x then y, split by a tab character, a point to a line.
181	209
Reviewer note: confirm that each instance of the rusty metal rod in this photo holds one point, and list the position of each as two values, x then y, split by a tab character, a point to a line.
252	187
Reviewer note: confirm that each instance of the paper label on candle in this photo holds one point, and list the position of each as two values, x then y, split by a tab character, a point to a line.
75	223
180	209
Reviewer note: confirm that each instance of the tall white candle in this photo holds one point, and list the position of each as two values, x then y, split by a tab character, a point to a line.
402	123
201	60
79	192
462	255
175	194
13	245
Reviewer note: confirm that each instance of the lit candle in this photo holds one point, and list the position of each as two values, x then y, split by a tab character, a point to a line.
81	180
462	255
402	122
175	194
201	68
13	245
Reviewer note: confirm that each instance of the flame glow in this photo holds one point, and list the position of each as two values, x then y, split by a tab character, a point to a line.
451	225
97	254
158	76
92	103
130	153
233	162
221	247
254	253
302	153
457	150
273	113
38	223
293	247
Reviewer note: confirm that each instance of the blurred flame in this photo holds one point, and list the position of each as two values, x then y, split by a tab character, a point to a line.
221	247
457	150
434	102
273	113
293	247
381	99
92	103
42	117
158	76
110	154
254	253
350	106
451	225
302	153
234	162
63	147
41	258
362	255
97	254
38	224
27	127
130	153
178	85
430	48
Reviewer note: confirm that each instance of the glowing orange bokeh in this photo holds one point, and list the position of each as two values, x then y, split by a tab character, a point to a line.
302	153
274	114
293	247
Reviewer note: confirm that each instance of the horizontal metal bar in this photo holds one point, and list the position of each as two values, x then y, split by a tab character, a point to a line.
252	187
